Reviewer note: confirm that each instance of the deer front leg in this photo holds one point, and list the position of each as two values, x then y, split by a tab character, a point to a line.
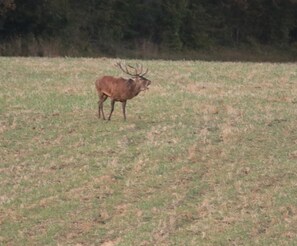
124	109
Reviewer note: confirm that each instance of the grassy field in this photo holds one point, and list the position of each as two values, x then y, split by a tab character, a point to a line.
207	156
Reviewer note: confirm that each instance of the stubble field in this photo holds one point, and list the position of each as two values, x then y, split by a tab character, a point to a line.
207	156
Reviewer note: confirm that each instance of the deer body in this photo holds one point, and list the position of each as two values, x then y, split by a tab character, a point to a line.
119	89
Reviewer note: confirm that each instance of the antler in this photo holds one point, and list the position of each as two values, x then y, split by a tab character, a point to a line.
144	72
137	72
125	70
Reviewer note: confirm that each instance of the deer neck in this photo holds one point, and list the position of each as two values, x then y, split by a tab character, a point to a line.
136	87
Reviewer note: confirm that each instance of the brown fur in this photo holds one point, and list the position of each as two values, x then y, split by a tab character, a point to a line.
119	90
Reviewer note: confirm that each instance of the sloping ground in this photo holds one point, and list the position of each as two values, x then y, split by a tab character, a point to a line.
206	157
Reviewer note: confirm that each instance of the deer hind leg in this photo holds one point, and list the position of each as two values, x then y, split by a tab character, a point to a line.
102	98
112	108
124	109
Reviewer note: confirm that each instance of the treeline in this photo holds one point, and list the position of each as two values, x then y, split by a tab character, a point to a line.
43	27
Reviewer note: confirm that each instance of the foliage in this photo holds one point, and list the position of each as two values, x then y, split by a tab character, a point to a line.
171	25
6	5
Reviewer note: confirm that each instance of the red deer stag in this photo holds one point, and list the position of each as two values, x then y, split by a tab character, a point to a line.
120	89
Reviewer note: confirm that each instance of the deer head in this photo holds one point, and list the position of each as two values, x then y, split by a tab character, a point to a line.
137	75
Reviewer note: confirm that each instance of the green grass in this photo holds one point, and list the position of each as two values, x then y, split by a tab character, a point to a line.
206	157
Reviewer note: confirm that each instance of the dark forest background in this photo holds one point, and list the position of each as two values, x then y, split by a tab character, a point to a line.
146	28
